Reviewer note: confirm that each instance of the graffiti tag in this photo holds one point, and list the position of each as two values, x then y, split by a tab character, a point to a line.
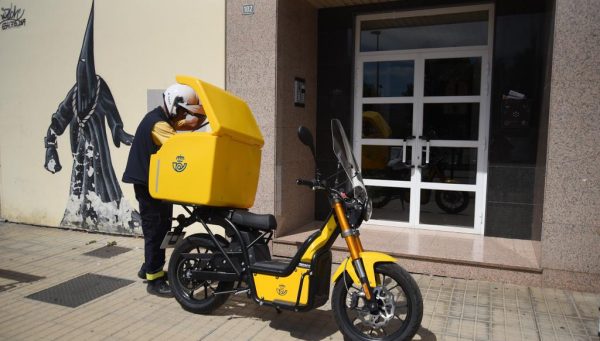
12	17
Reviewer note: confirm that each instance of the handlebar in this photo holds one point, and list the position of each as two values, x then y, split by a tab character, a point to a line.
316	185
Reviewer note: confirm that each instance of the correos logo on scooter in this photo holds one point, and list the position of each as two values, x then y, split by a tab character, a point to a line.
179	165
281	290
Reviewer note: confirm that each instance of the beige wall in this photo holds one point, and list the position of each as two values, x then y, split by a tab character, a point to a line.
571	218
139	45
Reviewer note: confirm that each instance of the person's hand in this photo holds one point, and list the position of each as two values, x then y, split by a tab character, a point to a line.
124	137
52	164
194	121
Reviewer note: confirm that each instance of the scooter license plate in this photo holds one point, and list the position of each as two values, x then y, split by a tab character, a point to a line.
171	240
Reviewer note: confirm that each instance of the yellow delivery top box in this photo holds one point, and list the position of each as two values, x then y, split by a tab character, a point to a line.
216	168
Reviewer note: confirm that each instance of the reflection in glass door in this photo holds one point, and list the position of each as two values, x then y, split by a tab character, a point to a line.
421	115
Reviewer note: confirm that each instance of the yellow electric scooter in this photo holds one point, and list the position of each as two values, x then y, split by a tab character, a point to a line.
373	297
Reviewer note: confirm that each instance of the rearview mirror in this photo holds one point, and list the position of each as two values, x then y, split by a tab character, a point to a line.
306	138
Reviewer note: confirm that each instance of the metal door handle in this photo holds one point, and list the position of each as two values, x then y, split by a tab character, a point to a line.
410	137
426	138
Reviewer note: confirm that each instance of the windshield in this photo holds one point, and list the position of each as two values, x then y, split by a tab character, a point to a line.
344	154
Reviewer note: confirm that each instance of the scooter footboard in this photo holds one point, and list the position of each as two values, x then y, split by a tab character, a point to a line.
307	287
370	259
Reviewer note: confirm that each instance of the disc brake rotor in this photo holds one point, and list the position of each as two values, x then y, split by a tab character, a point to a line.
386	309
186	273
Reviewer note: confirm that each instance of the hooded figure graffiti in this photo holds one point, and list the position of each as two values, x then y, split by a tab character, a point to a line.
95	198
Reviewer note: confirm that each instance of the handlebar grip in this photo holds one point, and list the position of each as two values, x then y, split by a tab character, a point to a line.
302	182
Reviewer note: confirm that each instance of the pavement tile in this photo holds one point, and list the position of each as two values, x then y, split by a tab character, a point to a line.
498	337
547	337
453	326
530	335
513	335
469	311
483	313
482	331
467	328
441	308
58	332
591	326
437	324
455	312
498	315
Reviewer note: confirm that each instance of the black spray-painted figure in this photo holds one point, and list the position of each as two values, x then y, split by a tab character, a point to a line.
95	198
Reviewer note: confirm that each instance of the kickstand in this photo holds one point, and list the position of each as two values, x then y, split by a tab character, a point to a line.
278	310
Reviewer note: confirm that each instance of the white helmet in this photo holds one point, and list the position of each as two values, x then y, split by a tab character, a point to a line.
179	95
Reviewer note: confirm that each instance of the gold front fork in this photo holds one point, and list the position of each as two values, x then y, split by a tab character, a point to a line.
354	245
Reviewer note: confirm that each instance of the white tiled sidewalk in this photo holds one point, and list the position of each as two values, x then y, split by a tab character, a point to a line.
455	309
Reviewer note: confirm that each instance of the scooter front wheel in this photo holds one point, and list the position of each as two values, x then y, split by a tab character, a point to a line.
399	312
196	296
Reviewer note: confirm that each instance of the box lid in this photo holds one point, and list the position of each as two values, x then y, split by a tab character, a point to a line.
228	115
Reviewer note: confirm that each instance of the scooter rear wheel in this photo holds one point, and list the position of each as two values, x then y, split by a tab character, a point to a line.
193	295
400	306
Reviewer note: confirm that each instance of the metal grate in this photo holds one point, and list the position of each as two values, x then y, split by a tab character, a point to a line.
16	278
80	290
107	251
19	276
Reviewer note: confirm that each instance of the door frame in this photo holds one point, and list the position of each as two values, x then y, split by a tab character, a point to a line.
418	100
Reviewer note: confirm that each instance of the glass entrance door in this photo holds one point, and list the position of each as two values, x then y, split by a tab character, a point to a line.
421	116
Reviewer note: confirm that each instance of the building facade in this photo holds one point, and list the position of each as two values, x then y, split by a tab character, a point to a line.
475	119
498	97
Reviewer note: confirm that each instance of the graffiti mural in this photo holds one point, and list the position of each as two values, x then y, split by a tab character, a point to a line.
95	198
12	17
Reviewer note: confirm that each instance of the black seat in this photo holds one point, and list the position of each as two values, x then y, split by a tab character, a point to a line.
264	222
274	266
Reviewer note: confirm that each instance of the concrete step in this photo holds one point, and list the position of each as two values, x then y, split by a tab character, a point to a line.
446	254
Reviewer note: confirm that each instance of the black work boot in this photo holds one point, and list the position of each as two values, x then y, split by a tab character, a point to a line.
142	272
159	287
